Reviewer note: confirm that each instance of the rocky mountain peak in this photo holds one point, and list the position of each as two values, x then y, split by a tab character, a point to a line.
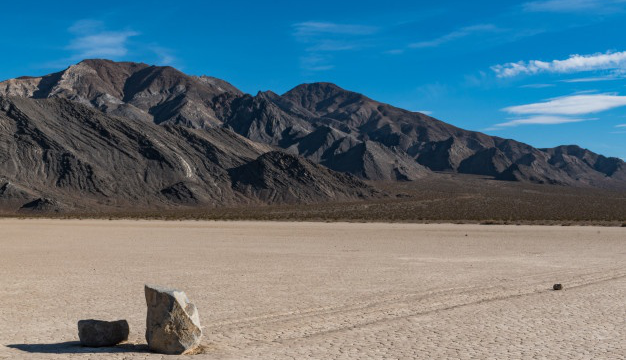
320	96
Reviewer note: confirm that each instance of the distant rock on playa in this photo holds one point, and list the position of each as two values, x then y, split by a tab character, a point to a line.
98	333
173	323
557	287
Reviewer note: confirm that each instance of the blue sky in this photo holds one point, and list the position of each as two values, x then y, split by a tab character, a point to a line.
546	72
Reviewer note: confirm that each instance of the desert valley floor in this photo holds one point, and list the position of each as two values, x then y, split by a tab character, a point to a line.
297	290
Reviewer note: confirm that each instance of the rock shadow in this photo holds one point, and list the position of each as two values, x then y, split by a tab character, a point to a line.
74	347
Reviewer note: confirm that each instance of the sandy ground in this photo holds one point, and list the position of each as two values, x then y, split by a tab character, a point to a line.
320	290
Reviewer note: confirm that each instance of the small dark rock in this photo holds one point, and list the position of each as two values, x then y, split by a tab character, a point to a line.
557	287
97	333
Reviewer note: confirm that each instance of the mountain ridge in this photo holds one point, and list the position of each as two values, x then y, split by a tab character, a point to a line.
342	130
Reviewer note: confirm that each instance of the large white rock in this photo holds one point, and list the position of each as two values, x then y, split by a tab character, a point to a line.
173	324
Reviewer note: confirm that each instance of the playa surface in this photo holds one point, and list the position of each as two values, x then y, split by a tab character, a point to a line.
280	290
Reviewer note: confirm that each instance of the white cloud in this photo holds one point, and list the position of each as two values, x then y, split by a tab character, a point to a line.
93	41
575	63
620	126
570	105
457	34
566	6
540	120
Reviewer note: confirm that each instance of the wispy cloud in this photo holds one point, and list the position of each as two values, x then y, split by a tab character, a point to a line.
593	79
537	86
394	52
540	120
92	40
310	29
315	62
332	45
86	26
571	105
561	110
455	35
164	56
620	126
322	39
425	112
573	64
433	91
570	6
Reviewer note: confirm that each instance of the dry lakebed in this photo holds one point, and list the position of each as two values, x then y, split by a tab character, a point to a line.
299	290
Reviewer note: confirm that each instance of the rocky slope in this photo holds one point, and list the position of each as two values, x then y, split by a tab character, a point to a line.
57	154
342	130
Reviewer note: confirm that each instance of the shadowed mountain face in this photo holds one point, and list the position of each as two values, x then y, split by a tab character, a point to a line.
342	130
56	154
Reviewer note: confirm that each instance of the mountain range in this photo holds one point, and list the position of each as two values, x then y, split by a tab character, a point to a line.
104	134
